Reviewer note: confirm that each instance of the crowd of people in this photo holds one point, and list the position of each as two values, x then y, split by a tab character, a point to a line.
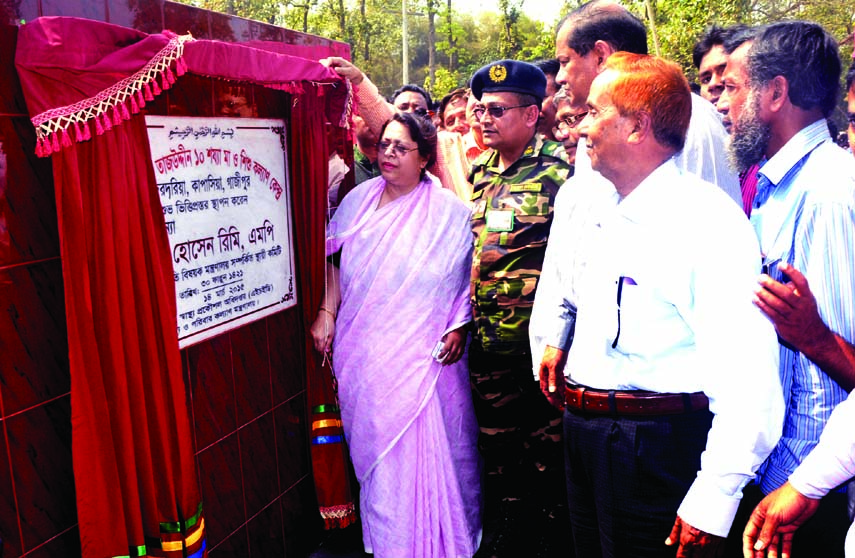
575	309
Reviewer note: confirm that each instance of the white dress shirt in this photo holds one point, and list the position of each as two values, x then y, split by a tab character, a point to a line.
689	260
832	461
704	154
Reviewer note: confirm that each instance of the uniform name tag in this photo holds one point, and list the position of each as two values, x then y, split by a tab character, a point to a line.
526	187
499	220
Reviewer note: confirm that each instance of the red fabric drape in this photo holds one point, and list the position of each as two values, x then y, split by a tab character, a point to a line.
136	479
79	74
309	151
134	468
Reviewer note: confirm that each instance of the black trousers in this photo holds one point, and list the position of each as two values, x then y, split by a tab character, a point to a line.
626	477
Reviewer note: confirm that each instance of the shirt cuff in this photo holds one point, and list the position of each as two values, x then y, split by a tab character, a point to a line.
560	334
811	478
705	507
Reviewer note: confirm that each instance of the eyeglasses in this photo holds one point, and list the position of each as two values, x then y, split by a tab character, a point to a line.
851	119
570	122
415	109
494	112
398	149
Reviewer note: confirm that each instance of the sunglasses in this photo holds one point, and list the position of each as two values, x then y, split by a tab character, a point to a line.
494	111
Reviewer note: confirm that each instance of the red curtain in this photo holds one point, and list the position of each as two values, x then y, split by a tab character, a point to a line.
309	152
134	468
136	480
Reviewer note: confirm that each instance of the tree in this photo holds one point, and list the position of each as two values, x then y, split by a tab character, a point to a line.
510	40
447	46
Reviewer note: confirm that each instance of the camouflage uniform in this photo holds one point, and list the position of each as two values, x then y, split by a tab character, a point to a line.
520	430
363	168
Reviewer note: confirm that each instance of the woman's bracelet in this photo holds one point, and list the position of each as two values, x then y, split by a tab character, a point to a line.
327	310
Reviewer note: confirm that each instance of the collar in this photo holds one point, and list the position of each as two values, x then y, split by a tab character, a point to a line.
805	141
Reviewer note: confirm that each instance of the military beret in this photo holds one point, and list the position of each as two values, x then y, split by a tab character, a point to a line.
509	75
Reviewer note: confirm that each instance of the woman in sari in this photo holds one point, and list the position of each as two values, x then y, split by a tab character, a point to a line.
394	316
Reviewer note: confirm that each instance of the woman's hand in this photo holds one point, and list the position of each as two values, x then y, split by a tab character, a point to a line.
455	343
323	331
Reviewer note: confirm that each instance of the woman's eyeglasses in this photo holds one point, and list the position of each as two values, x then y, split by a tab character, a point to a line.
397	148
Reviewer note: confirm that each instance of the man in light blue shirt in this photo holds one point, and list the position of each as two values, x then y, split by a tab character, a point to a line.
804	216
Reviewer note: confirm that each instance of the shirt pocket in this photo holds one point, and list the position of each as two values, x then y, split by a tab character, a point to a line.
532	215
527	199
647	324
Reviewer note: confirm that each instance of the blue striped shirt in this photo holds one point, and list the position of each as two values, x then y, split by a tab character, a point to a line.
804	214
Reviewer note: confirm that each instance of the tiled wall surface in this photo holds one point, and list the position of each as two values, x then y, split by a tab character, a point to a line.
246	388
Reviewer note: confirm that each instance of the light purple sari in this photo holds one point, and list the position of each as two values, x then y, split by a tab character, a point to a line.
408	419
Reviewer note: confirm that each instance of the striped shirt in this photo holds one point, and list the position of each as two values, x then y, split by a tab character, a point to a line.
804	214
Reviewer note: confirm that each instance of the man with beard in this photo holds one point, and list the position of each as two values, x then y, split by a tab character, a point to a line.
515	182
710	57
779	89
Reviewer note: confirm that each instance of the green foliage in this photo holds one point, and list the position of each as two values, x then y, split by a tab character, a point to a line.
463	43
444	81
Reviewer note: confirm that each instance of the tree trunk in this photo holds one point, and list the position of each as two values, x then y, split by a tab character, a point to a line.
366	36
431	44
452	55
652	19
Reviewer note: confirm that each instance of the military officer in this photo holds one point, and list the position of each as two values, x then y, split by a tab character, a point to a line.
515	181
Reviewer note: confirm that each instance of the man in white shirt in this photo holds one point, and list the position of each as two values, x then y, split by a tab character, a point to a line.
782	512
660	421
585	40
793	309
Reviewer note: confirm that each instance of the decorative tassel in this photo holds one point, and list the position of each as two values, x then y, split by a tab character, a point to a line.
78	132
170	76
87	135
107	124
155	87
125	114
47	148
117	116
135	108
98	128
148	95
140	99
181	67
54	142
40	148
66	139
164	84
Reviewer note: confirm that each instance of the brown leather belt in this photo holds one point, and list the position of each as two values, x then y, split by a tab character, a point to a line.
585	400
